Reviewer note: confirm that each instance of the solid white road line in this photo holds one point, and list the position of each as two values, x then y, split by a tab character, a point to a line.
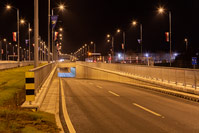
65	112
148	110
114	93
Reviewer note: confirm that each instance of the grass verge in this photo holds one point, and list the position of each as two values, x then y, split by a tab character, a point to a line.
12	94
26	121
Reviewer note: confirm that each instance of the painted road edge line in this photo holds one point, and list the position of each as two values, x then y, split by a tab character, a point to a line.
114	93
65	112
148	110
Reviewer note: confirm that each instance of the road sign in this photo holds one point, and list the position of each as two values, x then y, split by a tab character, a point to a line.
194	60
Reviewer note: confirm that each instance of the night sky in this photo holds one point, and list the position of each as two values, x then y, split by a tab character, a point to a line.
90	20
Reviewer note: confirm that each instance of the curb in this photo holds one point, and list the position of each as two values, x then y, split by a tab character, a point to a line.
42	93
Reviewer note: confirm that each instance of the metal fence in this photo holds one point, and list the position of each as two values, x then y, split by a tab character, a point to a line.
41	74
179	76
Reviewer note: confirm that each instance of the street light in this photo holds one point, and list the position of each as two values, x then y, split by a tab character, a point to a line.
5	41
161	10
124	41
22	21
9	7
60	7
186	41
134	23
60	29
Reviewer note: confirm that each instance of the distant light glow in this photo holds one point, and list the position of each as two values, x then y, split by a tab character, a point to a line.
108	36
8	7
161	10
119	56
175	54
134	23
147	55
118	30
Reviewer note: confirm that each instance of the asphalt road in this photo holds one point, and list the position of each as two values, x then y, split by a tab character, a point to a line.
107	107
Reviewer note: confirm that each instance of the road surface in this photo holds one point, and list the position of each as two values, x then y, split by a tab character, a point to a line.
108	107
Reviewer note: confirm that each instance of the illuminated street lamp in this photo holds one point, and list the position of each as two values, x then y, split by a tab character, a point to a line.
60	7
161	10
134	23
18	41
124	41
186	41
60	29
22	21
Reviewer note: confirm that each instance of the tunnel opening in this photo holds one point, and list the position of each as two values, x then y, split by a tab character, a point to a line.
67	72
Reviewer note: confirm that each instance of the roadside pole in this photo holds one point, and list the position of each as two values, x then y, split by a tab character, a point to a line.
36	32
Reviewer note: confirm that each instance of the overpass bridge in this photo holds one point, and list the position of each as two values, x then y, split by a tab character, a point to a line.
102	97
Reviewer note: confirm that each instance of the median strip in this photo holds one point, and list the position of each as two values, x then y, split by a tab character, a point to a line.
148	110
114	93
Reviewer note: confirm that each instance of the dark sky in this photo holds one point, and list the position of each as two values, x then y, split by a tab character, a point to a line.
91	20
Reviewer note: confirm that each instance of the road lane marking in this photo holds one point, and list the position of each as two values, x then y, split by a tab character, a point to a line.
148	110
99	87
65	112
114	93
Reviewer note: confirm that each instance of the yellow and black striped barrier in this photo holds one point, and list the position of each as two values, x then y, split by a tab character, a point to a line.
30	86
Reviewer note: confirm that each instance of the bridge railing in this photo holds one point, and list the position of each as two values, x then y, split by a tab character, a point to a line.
179	76
41	74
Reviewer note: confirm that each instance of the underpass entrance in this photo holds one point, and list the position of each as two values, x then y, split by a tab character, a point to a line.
67	72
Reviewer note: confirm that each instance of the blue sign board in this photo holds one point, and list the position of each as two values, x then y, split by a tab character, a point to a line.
194	60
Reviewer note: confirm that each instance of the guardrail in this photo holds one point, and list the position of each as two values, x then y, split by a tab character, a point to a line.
13	64
41	74
179	76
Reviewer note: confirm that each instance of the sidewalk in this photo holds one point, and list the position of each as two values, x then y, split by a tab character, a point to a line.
51	100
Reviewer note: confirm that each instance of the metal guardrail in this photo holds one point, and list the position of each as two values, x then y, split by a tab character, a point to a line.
179	76
41	74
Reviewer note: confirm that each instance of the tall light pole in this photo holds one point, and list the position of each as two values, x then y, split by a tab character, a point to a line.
5	41
112	45
29	30
18	41
60	7
36	32
48	31
186	41
161	10
124	42
134	23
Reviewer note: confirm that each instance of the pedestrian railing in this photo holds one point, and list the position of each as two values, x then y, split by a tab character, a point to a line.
178	76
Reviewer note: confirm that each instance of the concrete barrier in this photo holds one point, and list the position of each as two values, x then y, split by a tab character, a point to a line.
89	72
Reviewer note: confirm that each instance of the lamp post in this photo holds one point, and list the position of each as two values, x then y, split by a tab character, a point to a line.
48	31
124	42
60	7
18	41
161	10
134	23
112	45
5	41
186	41
36	32
29	31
